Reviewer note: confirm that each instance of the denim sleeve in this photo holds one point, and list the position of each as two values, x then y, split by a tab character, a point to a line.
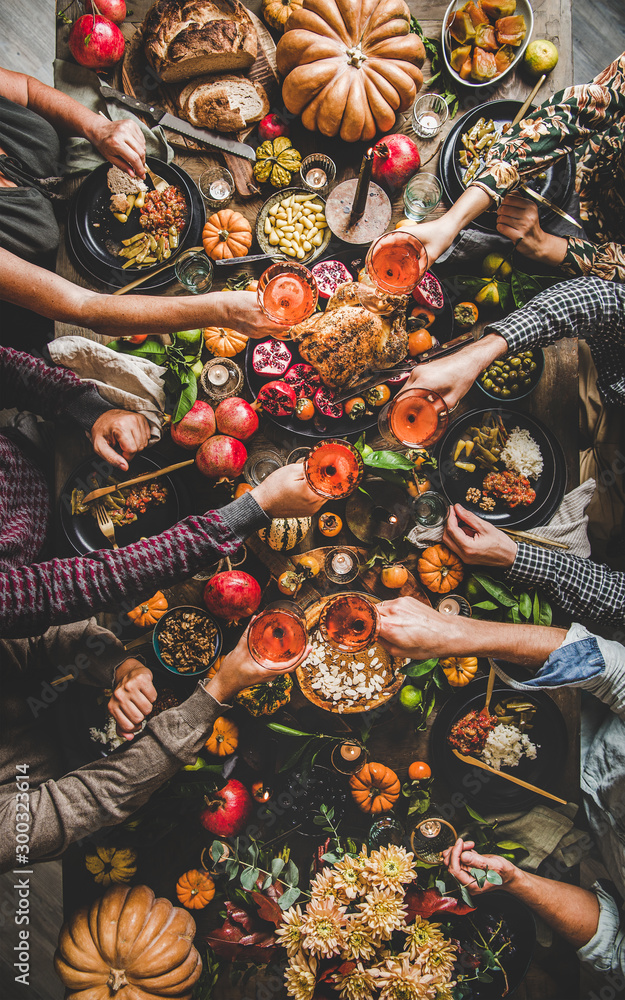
606	949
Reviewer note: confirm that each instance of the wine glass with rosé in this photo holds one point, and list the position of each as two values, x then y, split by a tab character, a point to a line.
395	264
334	468
287	293
278	636
349	622
415	418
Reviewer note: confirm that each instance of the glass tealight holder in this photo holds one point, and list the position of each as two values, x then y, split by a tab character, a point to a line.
454	604
317	172
220	378
429	114
341	565
194	271
430	509
216	186
384	832
430	837
421	196
298	456
261	464
349	756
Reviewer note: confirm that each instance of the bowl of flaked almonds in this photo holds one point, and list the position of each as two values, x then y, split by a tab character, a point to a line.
346	683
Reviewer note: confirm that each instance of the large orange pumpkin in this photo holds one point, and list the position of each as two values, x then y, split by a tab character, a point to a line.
195	889
349	67
439	569
223	342
227	234
128	945
224	738
375	788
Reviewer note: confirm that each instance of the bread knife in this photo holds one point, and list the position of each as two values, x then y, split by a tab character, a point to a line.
162	117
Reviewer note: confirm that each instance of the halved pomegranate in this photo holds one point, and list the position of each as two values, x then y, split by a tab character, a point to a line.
399	377
429	292
324	401
277	398
329	274
271	357
303	379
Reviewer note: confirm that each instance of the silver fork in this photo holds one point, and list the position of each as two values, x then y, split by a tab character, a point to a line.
105	524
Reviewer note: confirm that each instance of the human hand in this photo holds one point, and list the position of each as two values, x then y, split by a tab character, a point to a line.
436	236
518	219
461	858
132	698
122	143
451	377
129	431
477	542
239	670
410	628
242	313
286	493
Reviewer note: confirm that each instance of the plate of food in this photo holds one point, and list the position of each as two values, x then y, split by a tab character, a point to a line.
342	682
465	148
523	735
504	466
483	42
118	233
333	349
136	511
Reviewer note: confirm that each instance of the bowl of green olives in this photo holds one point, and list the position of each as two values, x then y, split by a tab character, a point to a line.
513	377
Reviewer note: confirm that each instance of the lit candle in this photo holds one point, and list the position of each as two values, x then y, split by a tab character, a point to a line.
431	828
350	751
218	375
449	606
220	190
342	563
316	177
429	122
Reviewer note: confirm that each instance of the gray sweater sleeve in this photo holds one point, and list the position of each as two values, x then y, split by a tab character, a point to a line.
107	791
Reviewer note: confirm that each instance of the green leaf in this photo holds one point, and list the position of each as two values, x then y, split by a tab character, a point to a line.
388	460
475	815
514	614
493	877
486	605
253	852
419	669
510	845
545	616
248	878
466	895
439	679
525	604
497	590
277	865
217	851
503	287
288	898
287	731
524	287
331	857
536	609
440	885
152	350
290	874
268	881
187	398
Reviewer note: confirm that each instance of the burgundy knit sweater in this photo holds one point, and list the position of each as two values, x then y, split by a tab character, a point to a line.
34	597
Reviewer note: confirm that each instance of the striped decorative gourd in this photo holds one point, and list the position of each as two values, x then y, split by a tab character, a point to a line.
285	533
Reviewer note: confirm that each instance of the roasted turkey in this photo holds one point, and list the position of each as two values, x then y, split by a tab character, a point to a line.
347	341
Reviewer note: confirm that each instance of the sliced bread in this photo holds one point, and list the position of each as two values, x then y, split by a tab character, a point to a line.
225	103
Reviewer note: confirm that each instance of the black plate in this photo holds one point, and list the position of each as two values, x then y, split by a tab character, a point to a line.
82	531
549	486
442	329
94	248
557	186
491	792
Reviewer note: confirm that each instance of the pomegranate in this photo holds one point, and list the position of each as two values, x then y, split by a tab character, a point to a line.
232	595
277	399
271	127
303	379
195	427
221	457
115	10
234	416
228	811
324	401
271	357
329	274
429	292
399	377
395	159
96	42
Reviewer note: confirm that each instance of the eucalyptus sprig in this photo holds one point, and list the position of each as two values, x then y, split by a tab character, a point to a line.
244	865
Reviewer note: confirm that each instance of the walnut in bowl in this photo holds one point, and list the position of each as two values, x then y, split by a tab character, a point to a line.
187	641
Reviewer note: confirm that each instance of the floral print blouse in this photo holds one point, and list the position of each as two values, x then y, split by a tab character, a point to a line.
589	119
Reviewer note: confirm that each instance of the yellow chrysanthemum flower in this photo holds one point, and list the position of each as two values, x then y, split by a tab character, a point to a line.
324	928
355	985
359	943
383	912
301	977
289	933
390	868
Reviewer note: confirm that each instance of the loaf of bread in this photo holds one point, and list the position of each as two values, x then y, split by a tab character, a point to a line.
225	103
187	38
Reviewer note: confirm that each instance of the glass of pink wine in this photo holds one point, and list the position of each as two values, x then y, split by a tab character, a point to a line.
333	468
415	418
278	636
349	622
395	264
287	293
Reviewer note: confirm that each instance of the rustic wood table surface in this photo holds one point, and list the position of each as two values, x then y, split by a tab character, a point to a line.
553	973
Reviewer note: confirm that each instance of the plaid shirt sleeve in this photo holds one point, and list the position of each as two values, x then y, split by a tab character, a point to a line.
579	586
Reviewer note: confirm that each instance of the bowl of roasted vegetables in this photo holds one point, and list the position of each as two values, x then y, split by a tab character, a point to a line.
484	39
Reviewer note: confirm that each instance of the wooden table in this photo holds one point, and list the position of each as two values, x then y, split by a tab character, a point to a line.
553	973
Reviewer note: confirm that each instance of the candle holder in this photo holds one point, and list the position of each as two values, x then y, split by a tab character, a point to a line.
429	114
454	604
349	756
341	565
384	832
430	509
220	378
216	186
298	456
317	172
261	464
430	837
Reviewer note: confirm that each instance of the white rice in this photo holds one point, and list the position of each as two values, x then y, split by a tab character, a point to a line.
521	454
119	182
505	746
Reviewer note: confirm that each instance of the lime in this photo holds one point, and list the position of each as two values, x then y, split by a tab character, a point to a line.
541	56
488	295
494	262
410	698
473	590
197	368
190	337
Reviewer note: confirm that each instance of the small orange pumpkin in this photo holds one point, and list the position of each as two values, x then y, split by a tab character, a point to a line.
440	570
277	12
459	670
195	889
375	788
227	234
150	611
224	738
223	342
